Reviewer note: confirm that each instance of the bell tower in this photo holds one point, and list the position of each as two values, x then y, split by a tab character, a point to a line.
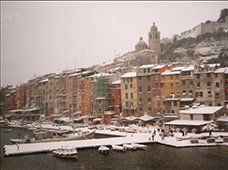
154	39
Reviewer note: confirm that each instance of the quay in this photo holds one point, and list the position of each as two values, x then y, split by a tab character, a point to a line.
143	138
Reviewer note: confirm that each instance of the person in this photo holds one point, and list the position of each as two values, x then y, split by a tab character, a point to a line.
154	132
153	136
17	146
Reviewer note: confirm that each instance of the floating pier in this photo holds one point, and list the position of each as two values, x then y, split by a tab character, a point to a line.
143	138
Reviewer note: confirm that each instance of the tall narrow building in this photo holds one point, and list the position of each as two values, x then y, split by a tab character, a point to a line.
154	39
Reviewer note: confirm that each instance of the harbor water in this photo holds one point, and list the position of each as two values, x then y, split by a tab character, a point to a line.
156	156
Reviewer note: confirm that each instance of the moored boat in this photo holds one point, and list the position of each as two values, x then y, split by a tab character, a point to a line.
103	150
8	130
129	146
66	152
139	146
118	148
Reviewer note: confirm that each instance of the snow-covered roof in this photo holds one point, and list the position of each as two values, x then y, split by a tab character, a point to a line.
188	122
130	118
186	99
168	72
147	66
146	118
44	80
188	68
129	74
178	68
74	74
158	66
223	118
202	110
116	82
221	70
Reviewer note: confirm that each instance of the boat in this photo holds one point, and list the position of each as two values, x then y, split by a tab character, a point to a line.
180	138
139	146
66	137
8	130
103	150
129	146
66	152
118	148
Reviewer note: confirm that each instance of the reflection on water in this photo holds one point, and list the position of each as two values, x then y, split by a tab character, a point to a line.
155	157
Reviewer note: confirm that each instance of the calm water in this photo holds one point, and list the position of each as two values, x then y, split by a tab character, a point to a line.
155	157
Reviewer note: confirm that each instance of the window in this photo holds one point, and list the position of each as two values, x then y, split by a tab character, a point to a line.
148	77
149	100
126	95
171	85
141	109
217	95
130	79
144	70
125	86
140	78
183	82
156	85
217	84
140	89
163	77
208	75
191	117
131	95
209	94
191	82
149	109
198	84
131	85
198	76
199	94
148	88
208	84
140	101
126	104
148	70
177	76
162	84
171	76
175	103
177	84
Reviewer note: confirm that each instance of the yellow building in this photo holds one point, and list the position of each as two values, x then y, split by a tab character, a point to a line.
129	94
171	83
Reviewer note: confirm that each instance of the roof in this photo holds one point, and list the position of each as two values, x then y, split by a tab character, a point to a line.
177	68
186	99
202	110
223	119
168	72
44	80
146	118
129	74
147	66
188	68
116	82
188	122
221	70
158	66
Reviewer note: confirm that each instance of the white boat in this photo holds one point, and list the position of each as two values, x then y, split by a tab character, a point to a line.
103	150
129	146
8	130
118	148
66	152
68	137
139	146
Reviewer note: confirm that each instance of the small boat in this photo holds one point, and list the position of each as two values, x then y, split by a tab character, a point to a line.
118	148
8	130
23	140
139	146
66	152
103	150
180	138
129	146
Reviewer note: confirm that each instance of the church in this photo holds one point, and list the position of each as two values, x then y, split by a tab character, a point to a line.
146	53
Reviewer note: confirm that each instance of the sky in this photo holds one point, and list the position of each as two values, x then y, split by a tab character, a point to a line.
44	37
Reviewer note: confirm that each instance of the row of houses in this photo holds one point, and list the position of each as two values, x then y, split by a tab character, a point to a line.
153	89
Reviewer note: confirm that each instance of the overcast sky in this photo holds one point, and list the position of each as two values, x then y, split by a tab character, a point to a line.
43	37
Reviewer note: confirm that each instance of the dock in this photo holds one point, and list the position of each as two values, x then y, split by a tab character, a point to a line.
142	138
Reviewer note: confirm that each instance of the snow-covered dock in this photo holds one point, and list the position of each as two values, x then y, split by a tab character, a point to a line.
144	138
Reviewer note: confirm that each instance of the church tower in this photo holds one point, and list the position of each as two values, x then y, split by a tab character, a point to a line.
154	39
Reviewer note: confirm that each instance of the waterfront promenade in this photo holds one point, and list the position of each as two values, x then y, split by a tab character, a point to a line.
144	138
